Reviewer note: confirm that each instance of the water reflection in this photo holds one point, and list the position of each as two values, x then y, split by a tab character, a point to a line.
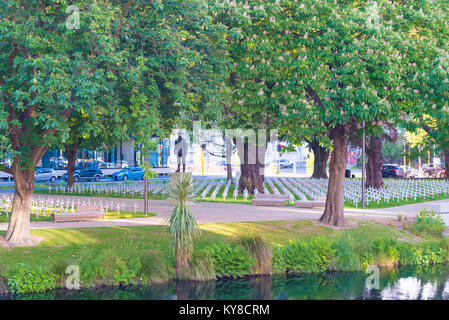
405	283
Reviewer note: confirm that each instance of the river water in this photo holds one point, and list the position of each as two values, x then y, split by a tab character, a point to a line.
401	284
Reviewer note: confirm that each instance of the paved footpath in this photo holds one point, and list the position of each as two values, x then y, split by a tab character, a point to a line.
218	212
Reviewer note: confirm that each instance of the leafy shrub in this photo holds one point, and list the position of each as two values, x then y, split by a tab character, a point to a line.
345	257
311	256
444	244
386	252
25	280
428	224
432	253
126	272
278	262
408	254
231	260
258	249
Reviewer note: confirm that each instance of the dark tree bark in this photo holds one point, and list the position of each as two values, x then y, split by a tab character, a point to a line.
71	158
228	142
228	172
334	208
446	160
321	156
251	170
374	167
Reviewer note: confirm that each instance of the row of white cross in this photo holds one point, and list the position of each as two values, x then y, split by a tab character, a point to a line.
297	188
397	190
125	190
41	206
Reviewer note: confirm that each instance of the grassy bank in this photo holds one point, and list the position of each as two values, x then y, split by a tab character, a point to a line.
130	255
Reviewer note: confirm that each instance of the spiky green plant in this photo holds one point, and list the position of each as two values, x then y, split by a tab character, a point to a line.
258	249
183	225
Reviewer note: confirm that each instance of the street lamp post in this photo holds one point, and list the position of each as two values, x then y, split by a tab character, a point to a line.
145	204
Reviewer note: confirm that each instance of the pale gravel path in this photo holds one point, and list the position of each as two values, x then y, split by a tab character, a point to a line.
219	212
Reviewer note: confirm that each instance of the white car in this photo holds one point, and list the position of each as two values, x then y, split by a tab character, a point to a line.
283	163
410	172
45	174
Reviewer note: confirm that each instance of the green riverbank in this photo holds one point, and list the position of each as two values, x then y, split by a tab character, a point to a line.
142	255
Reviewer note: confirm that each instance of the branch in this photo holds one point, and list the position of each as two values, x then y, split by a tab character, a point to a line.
424	126
125	10
314	96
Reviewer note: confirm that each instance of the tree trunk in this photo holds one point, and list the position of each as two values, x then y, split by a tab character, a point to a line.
18	233
251	174
228	158
321	155
334	208
446	160
229	172
70	151
374	167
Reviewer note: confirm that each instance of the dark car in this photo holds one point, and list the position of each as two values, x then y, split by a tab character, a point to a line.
392	171
86	174
133	173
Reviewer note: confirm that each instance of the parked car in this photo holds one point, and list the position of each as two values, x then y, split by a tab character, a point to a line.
283	163
133	173
442	174
45	174
431	170
86	174
410	172
392	171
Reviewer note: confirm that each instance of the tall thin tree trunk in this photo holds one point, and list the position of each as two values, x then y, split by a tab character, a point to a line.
321	156
446	161
334	208
228	142
71	158
228	172
374	168
18	232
